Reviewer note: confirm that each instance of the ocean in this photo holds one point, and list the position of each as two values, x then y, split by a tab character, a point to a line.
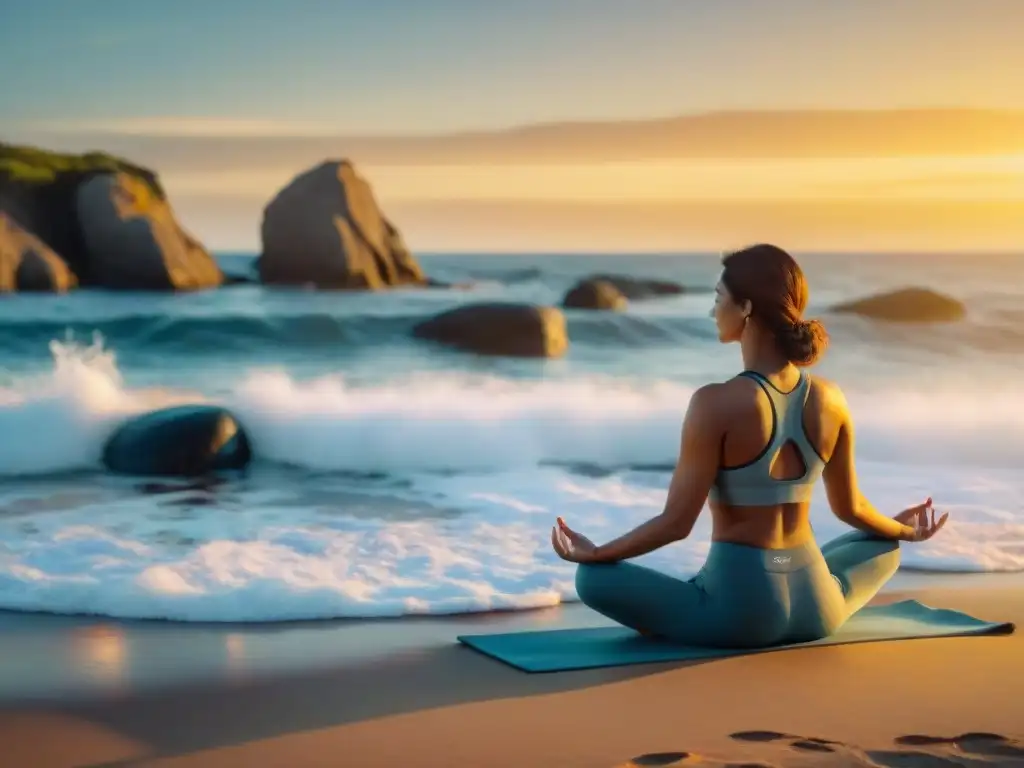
394	477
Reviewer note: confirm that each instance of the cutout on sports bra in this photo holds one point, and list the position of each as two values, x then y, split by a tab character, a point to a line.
788	463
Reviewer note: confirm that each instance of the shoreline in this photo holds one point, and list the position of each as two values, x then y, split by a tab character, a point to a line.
403	692
85	657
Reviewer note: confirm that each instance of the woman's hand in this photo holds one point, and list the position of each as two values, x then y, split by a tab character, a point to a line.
572	546
921	518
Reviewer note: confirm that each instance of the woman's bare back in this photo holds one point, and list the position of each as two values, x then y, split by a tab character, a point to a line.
746	415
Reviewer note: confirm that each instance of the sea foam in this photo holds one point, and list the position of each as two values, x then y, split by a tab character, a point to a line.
427	494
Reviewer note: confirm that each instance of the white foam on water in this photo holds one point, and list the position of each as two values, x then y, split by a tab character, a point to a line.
58	422
476	535
467	422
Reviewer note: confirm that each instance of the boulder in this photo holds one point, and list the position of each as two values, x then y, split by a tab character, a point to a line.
465	285
594	294
181	441
510	329
640	288
28	264
326	230
906	305
135	242
106	218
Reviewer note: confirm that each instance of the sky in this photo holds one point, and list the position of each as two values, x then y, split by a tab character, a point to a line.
104	72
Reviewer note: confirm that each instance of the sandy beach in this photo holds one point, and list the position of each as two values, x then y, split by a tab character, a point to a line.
318	319
85	692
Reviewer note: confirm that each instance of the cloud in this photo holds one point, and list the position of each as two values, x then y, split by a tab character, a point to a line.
855	134
979	185
967	178
171	126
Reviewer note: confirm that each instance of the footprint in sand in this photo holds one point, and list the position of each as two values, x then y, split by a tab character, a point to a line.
686	759
796	742
660	759
967	749
785	750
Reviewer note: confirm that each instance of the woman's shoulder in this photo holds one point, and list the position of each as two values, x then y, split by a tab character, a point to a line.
741	389
725	396
828	393
824	385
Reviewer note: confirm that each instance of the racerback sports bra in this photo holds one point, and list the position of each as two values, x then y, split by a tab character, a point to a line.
751	484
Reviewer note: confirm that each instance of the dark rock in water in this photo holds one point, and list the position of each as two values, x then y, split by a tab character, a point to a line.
326	230
239	280
515	330
594	294
182	441
109	220
906	305
28	264
460	286
640	288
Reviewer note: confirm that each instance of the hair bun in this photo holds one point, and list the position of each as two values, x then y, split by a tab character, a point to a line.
803	342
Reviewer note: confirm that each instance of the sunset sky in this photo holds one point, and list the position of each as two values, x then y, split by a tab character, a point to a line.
229	99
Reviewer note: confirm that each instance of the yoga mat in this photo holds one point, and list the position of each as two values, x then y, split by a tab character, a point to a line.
564	649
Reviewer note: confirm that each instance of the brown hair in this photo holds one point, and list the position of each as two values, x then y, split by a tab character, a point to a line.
773	283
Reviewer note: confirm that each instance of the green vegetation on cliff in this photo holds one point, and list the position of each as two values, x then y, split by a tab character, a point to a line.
38	190
24	165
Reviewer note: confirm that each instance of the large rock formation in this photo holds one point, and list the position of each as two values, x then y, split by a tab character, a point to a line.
594	294
906	305
28	264
107	219
514	330
325	229
134	240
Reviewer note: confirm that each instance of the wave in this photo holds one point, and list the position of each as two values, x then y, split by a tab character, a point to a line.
475	468
442	545
464	422
511	276
246	334
219	334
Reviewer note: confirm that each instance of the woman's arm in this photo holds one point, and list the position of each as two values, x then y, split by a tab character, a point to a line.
844	496
691	482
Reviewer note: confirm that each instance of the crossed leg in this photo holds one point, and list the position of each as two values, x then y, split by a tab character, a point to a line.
863	564
641	598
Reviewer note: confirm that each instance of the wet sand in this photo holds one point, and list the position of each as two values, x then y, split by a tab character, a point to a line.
87	692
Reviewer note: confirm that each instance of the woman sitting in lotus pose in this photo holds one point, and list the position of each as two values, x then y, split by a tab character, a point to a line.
753	447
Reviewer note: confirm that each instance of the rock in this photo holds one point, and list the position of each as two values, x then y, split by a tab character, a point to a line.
108	219
515	330
28	264
465	285
239	280
326	230
181	441
135	242
906	305
639	288
594	294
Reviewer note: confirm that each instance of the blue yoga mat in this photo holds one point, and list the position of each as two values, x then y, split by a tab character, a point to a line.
563	649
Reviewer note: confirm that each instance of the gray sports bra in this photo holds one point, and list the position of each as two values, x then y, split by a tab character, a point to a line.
751	484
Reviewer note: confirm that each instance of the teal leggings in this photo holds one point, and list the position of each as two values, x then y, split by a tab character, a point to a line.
746	597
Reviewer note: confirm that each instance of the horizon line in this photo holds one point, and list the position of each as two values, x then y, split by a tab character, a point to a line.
222	127
700	253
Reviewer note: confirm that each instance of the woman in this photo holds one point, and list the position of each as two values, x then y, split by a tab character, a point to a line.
753	448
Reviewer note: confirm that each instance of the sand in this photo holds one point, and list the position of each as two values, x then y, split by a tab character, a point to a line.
81	692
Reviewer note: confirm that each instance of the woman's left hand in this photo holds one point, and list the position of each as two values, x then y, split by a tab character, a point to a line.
572	546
